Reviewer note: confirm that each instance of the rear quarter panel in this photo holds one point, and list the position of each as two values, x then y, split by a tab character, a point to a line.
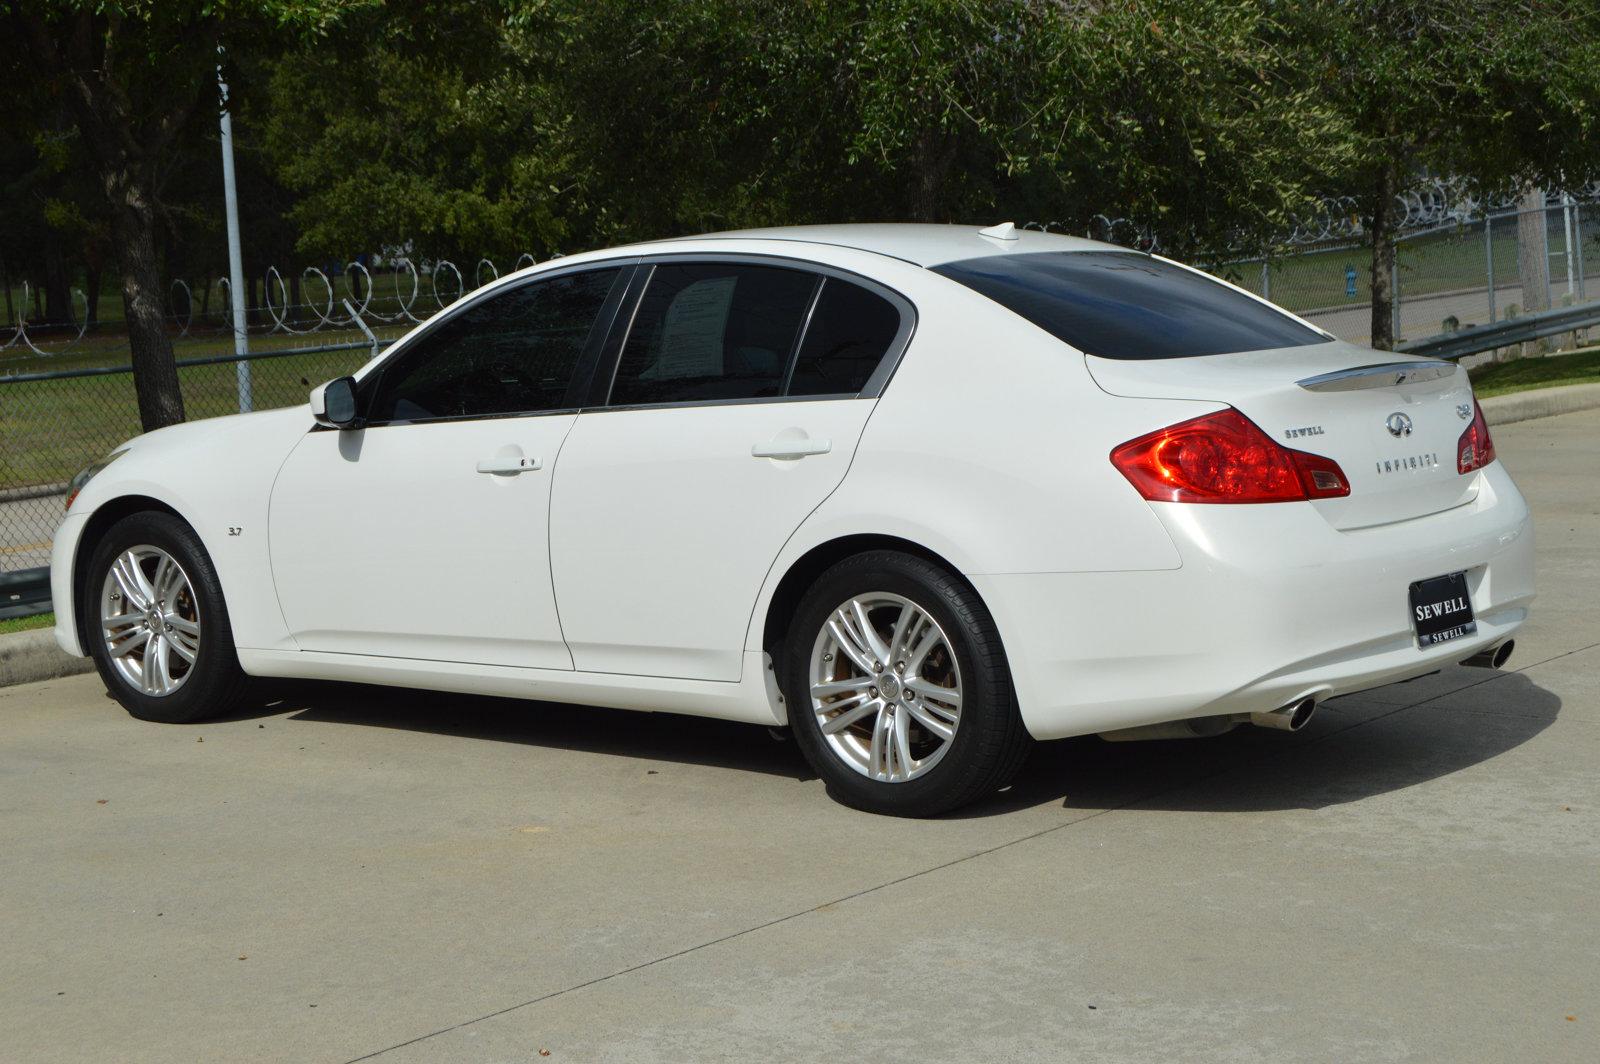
990	447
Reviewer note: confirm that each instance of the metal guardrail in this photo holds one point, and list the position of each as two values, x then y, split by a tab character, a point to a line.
24	593
1478	338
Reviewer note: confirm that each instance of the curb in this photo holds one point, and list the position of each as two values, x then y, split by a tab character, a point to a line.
1540	402
27	657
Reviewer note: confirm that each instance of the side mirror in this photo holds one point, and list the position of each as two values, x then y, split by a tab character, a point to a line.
334	404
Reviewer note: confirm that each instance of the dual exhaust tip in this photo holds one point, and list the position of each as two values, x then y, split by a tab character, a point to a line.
1290	718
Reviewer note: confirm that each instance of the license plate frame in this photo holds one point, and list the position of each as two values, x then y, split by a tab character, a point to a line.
1441	609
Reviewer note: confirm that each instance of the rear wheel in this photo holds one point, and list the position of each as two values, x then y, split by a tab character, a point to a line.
898	689
158	627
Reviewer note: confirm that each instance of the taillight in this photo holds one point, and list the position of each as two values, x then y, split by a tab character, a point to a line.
1476	448
1224	457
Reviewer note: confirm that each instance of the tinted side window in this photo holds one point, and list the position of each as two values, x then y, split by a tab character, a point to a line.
514	352
712	330
849	333
1121	304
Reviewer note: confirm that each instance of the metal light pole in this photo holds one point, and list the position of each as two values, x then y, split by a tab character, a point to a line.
230	195
1572	277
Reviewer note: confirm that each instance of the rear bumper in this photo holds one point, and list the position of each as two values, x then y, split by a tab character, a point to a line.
1271	605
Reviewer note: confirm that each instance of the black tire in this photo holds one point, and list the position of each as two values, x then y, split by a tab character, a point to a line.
990	742
214	685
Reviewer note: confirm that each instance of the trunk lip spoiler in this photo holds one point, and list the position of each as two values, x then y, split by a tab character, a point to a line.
1382	375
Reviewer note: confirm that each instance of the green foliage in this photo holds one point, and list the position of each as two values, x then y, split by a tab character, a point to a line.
457	128
1501	92
450	145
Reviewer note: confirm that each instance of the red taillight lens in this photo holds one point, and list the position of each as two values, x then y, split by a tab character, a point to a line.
1224	457
1476	448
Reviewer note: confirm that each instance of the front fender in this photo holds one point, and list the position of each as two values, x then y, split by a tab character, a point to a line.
217	475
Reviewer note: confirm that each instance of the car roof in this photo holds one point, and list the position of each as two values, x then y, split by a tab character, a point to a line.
923	245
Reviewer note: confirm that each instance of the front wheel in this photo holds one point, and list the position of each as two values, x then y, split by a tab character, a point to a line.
157	624
898	689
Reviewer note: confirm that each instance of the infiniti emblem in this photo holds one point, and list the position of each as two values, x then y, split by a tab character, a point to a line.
1398	424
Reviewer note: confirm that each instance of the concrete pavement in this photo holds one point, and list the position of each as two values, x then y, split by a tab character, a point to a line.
349	873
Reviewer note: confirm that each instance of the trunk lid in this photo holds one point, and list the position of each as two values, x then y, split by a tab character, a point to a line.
1391	421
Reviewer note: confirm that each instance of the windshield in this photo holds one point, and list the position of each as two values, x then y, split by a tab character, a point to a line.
1125	305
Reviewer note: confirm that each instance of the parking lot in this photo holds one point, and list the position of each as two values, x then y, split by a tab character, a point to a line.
354	873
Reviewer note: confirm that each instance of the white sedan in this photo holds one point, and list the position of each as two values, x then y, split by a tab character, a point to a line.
922	494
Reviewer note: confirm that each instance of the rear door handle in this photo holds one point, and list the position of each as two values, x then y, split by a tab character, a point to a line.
515	464
790	449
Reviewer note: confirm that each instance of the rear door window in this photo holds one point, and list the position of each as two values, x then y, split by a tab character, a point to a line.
1124	305
713	331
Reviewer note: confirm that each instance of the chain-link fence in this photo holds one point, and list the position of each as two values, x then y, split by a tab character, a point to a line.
57	422
1442	274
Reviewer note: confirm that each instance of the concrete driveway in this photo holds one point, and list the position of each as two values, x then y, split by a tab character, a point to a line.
350	874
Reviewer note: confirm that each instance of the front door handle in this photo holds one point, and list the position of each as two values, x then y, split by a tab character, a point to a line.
791	449
514	464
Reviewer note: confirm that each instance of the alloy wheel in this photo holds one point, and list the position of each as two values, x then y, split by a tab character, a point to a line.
150	620
885	687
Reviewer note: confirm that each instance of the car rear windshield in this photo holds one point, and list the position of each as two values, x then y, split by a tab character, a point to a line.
1124	305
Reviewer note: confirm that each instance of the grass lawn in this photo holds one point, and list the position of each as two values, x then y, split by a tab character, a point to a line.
51	429
1523	374
23	624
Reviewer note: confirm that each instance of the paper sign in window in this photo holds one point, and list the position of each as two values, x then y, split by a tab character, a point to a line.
693	330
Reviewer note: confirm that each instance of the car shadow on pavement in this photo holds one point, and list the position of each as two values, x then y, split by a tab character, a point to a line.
1353	749
647	736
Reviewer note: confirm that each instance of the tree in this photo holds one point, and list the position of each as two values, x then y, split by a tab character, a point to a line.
1504	94
133	74
1186	115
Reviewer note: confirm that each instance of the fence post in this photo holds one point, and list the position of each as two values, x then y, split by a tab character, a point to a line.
372	339
1566	213
1266	279
1488	255
1394	292
230	195
1577	241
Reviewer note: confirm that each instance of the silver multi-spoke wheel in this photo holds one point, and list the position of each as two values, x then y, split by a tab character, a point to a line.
885	687
150	620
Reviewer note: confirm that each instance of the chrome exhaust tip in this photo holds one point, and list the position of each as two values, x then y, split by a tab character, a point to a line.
1493	657
1292	717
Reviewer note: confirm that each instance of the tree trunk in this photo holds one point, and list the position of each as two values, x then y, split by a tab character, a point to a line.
1533	251
935	152
155	375
1383	256
91	293
57	287
5	282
